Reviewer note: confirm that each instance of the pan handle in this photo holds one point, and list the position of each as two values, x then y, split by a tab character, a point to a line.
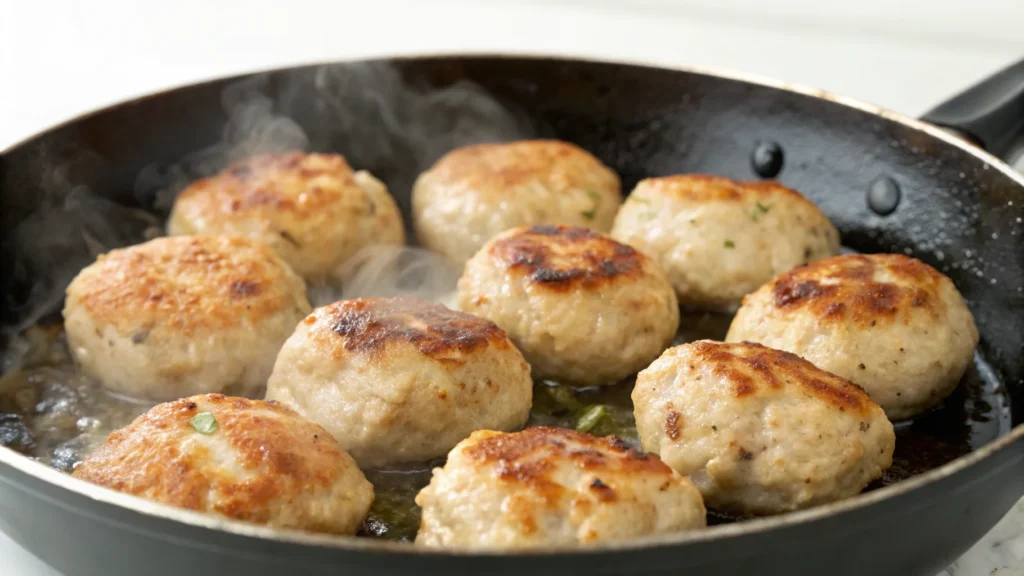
989	114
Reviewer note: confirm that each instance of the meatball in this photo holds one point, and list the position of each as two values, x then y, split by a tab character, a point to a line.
311	208
582	308
551	487
183	315
247	460
718	239
760	431
892	324
401	379
473	193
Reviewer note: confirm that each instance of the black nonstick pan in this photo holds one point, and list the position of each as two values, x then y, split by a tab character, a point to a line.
889	183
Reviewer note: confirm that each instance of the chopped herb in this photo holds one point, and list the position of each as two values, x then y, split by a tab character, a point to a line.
204	422
760	209
729	244
592	213
639	200
564	397
693	220
591	418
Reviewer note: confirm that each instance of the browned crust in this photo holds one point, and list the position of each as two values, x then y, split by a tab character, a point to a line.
752	368
506	165
708	187
273	183
672	422
187	283
561	258
369	325
845	288
282	454
532	456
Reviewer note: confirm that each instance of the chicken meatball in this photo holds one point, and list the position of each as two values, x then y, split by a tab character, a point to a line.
473	193
582	308
247	460
183	315
401	379
892	324
311	208
718	239
551	487
760	431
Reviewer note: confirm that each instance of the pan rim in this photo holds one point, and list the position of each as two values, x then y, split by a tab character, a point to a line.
134	504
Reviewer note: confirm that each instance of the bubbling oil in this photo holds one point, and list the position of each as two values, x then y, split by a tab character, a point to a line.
53	414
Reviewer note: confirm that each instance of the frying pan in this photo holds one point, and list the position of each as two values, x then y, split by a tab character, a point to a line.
891	184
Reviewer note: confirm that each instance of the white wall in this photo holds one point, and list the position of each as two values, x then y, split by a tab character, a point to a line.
61	57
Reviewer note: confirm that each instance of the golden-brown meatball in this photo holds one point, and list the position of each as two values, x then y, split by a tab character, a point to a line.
475	192
583	308
311	208
247	460
183	315
719	239
760	431
550	487
401	379
890	323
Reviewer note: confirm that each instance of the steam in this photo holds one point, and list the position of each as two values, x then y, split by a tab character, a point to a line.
393	126
53	244
388	271
252	127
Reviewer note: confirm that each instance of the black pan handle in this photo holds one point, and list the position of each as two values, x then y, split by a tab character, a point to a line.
990	113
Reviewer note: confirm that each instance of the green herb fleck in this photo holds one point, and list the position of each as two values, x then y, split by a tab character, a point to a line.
759	210
592	417
564	397
639	200
204	422
729	244
592	213
693	220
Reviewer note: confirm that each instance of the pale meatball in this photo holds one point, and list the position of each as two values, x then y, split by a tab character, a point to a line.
718	239
247	460
552	487
582	308
183	315
401	379
760	431
475	192
892	324
311	208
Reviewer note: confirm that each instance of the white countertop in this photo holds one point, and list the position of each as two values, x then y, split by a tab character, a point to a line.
62	58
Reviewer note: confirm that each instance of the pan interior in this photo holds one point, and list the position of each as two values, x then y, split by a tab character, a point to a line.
108	180
51	413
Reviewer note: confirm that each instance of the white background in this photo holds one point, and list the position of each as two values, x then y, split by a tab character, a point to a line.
60	58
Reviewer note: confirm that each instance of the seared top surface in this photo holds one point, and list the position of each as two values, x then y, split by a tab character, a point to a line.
563	257
269	185
864	288
753	369
502	166
369	325
188	284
